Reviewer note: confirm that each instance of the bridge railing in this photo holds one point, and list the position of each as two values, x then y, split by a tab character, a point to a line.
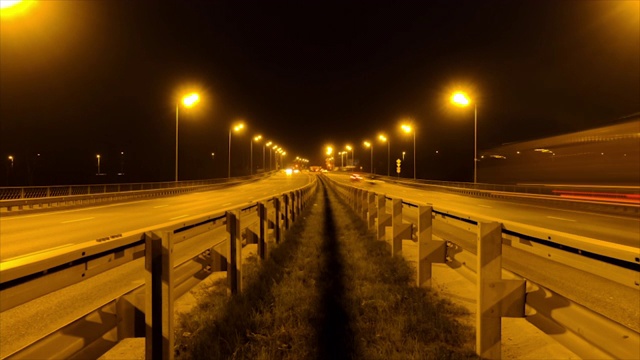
174	258
55	196
502	258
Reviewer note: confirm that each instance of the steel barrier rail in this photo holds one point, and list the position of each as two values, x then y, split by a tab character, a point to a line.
83	194
538	194
264	222
31	192
459	242
536	189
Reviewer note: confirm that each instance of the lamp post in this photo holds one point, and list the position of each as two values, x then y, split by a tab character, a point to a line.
408	129
370	146
256	139
97	157
11	160
460	99
188	101
235	128
353	161
384	139
269	146
121	163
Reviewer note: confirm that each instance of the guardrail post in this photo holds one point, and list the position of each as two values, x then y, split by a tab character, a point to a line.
277	222
384	219
356	200
400	230
264	226
287	213
294	199
429	250
234	260
496	297
159	295
373	210
364	208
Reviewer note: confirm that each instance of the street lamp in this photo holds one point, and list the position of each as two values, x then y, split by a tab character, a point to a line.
408	129
188	101
235	128
370	146
353	161
121	163
98	157
11	159
460	99
256	139
384	139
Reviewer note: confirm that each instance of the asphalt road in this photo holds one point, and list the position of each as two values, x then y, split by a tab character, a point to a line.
614	229
27	234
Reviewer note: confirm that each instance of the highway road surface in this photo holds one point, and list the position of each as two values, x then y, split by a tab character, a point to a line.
22	235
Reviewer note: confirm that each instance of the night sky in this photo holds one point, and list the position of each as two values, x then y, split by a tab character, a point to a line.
80	78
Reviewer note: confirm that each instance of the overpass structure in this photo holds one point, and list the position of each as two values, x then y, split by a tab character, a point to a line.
573	266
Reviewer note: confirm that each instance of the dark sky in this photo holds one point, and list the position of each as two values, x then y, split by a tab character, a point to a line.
80	78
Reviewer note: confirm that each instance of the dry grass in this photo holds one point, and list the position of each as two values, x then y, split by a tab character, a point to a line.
328	291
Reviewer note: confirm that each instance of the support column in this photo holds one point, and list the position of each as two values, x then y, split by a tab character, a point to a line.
159	332
496	297
429	250
373	210
264	226
400	230
384	219
234	265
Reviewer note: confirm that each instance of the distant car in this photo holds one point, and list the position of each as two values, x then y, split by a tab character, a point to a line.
355	177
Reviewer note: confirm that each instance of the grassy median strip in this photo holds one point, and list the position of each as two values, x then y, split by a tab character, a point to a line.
330	290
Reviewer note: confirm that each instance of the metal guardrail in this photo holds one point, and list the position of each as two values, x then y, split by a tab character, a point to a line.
58	196
475	247
215	240
619	202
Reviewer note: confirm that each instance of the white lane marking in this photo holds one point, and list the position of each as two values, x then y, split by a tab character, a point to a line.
558	218
38	252
486	206
225	204
160	206
178	217
76	220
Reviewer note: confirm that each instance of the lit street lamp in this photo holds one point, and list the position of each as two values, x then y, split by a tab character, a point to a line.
11	159
188	101
98	157
370	146
256	139
461	99
353	161
384	139
408	129
236	128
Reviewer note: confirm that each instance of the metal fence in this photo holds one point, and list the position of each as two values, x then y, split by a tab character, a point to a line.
215	241
499	257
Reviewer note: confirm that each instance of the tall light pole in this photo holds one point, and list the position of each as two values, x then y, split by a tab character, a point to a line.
97	157
409	129
11	160
121	163
353	161
270	148
235	128
256	139
384	139
370	146
188	101
460	99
